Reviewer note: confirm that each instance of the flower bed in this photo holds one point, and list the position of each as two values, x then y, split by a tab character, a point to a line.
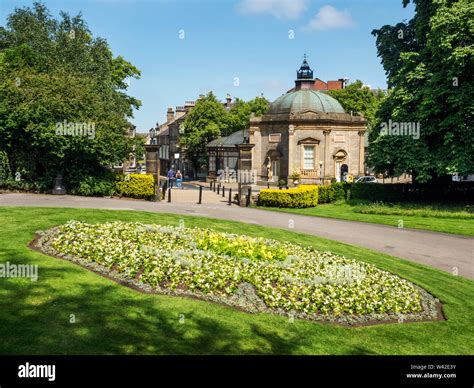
254	274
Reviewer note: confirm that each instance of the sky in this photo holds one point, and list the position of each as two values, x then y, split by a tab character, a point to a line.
246	48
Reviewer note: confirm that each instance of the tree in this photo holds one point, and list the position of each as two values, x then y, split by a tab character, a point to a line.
202	125
359	98
429	65
209	120
238	117
54	73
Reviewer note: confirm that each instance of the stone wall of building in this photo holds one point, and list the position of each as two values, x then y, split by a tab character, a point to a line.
283	141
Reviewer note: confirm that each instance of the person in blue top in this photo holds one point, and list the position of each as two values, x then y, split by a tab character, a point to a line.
170	177
179	180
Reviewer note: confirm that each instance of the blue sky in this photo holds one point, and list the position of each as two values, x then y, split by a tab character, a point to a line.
226	40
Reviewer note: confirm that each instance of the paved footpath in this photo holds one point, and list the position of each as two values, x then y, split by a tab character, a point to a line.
439	250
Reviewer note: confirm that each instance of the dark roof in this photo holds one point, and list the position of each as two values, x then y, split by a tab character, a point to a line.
230	141
166	132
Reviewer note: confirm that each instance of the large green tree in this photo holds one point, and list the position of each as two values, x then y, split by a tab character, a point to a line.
209	120
429	65
54	71
203	124
239	114
359	98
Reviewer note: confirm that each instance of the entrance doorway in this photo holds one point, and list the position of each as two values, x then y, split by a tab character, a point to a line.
341	169
275	170
344	172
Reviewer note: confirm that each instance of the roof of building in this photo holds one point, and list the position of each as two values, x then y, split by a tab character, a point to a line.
301	101
232	140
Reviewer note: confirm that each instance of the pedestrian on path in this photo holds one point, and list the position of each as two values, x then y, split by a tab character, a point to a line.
170	177
179	180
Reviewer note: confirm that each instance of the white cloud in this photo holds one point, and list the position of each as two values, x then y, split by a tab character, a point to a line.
282	9
328	18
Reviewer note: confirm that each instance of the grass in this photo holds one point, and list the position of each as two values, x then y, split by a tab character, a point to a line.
446	219
113	319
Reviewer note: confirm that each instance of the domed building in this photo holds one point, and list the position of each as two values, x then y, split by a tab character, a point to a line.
306	131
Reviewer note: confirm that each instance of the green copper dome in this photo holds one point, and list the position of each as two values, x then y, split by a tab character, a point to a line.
303	100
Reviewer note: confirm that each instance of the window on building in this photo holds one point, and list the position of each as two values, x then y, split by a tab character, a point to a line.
212	163
308	157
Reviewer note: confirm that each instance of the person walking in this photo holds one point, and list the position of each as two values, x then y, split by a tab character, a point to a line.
170	177
179	180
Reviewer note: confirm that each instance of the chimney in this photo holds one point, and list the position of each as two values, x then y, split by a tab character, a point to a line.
169	114
188	105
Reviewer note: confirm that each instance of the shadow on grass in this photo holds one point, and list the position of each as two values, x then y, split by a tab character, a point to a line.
98	319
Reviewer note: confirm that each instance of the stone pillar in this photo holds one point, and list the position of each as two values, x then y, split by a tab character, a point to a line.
256	138
291	150
327	156
153	164
245	174
361	152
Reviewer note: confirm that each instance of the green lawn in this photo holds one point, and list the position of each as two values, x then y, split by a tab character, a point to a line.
418	219
113	319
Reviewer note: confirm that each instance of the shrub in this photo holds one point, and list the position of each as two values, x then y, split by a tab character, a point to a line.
326	194
5	172
137	186
92	185
400	192
300	197
341	190
99	186
296	176
336	191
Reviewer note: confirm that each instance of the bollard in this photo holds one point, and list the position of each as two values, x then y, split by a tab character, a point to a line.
249	194
200	195
210	186
268	185
223	191
230	196
169	194
218	188
214	187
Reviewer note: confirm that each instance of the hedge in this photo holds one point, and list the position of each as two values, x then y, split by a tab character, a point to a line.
455	191
334	192
137	186
409	192
326	194
300	197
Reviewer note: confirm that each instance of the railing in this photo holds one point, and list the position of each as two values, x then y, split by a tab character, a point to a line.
311	173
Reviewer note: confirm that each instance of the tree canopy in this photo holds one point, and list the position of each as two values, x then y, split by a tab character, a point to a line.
209	119
359	98
429	65
54	72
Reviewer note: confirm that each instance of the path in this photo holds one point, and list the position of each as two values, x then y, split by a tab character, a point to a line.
439	250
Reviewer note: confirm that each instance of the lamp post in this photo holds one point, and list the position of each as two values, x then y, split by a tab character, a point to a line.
153	137
321	172
152	159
